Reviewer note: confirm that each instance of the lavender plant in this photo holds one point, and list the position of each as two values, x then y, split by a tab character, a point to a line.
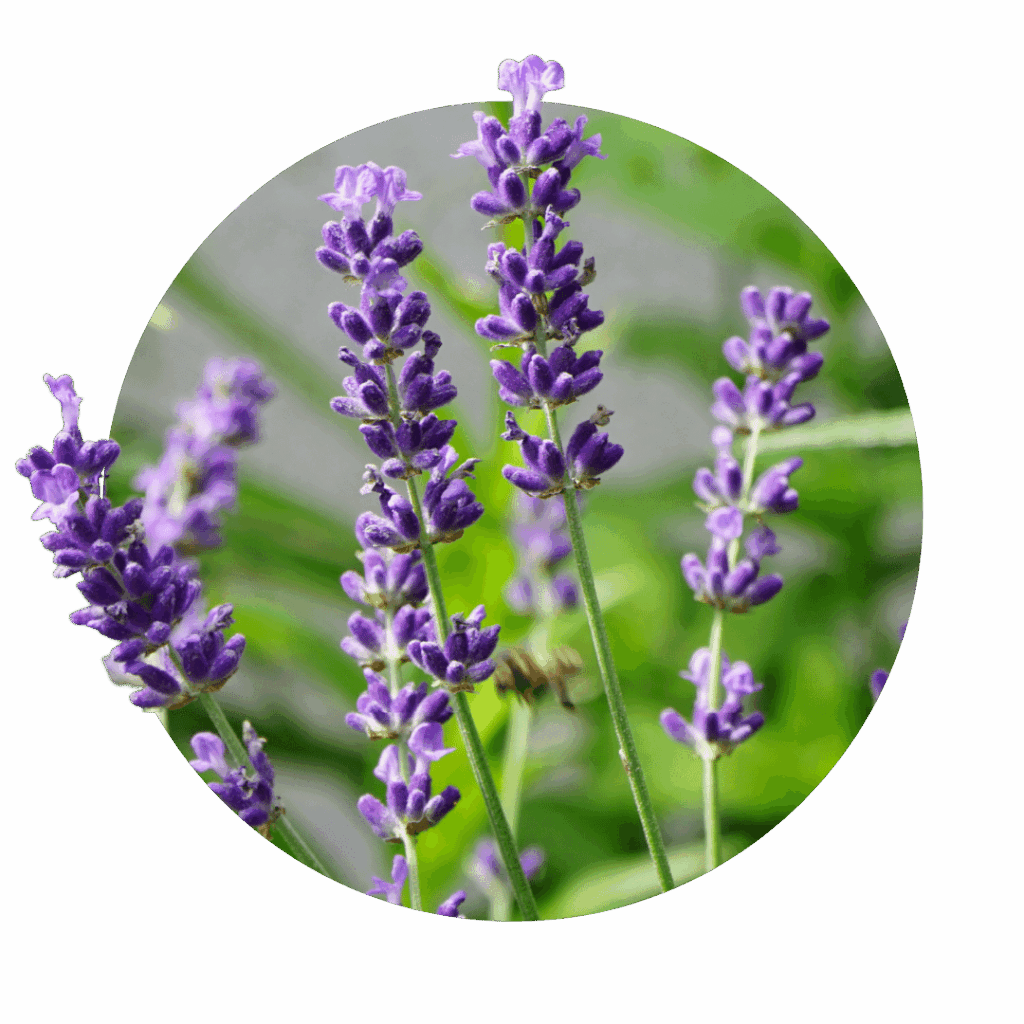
775	359
541	301
141	595
420	663
400	426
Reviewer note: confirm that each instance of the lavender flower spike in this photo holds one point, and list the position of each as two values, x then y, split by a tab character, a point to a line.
56	476
392	890
715	731
249	793
410	807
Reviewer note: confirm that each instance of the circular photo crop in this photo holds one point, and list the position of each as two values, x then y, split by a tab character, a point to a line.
526	540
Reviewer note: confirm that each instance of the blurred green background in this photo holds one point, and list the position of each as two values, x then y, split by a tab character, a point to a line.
676	233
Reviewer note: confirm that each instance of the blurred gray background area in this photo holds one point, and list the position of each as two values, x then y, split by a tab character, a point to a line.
262	254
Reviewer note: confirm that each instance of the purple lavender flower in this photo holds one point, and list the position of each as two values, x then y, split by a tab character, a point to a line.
450	907
398	528
204	663
370	643
57	475
389	580
541	541
761	406
558	380
410	808
735	588
524	281
88	539
545	466
196	478
523	149
250	793
487	870
412	714
392	890
714	731
149	594
781	327
465	657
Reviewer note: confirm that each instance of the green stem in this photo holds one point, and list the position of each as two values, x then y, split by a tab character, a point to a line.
300	849
467	727
415	899
715	665
712	828
606	666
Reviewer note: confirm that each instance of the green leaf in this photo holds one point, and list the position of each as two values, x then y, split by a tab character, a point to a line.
892	428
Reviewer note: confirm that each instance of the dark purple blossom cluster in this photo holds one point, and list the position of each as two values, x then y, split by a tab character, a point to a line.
523	151
541	543
196	478
540	288
464	659
780	329
74	466
410	807
249	792
714	731
776	361
399	415
139	594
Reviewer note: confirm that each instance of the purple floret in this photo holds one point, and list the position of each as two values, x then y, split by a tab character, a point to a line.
720	729
247	791
465	657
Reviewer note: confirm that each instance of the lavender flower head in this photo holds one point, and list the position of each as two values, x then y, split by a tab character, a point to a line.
73	467
465	657
196	478
392	891
715	731
541	542
250	793
411	808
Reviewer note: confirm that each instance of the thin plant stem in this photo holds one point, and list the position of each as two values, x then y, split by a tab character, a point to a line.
612	689
467	727
599	632
712	822
300	849
712	828
415	899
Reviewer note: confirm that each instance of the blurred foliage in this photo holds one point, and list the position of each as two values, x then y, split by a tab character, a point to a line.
813	647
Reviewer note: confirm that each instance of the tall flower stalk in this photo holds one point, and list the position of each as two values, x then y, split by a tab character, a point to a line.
544	312
400	426
775	359
144	597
